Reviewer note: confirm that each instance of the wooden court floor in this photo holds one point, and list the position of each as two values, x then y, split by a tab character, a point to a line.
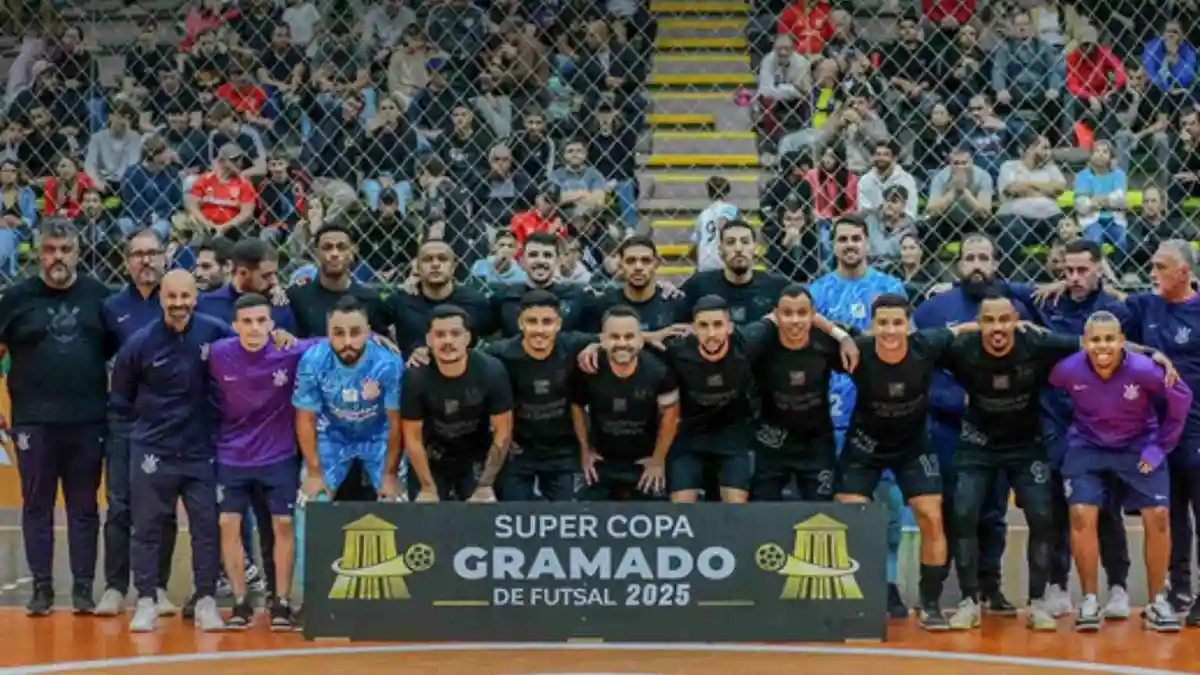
66	644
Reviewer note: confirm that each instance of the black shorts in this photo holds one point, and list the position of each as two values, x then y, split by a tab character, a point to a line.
778	459
527	478
455	480
863	461
727	455
969	455
617	480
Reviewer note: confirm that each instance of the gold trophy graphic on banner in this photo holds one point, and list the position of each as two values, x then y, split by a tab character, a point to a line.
820	566
371	568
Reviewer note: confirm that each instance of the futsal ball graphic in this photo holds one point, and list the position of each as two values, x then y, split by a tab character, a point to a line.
770	557
419	557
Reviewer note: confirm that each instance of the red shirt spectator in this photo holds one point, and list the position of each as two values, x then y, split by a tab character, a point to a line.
63	196
1093	70
222	198
526	223
206	15
834	191
246	98
809	25
937	10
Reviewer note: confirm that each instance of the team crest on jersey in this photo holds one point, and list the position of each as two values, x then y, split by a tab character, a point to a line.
280	377
472	396
451	406
796	378
350	396
715	380
1000	382
150	464
22	442
641	394
220	493
1132	391
541	387
738	314
620	405
1068	488
1183	335
204	352
371	390
895	389
858	310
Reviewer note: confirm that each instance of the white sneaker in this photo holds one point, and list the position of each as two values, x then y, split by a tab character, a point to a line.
1118	604
164	604
1089	619
1057	601
145	619
111	603
1039	618
208	617
1161	617
966	616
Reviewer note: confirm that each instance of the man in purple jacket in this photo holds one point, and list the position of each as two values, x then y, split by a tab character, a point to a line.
257	464
1117	435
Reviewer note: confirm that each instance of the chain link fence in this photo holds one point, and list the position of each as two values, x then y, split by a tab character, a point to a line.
1035	121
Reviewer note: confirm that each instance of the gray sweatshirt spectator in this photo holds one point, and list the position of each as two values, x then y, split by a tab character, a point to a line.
887	227
113	150
784	75
1025	67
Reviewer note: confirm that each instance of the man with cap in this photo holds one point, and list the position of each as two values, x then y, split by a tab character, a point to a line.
543	217
222	201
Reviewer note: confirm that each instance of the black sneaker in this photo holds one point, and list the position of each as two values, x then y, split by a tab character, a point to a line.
41	603
1193	617
189	608
932	618
242	616
81	599
994	602
896	608
281	616
298	620
1180	603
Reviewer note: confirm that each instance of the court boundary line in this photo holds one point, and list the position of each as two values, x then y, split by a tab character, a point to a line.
693	648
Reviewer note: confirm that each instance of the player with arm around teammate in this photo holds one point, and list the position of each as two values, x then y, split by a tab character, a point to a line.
447	408
1126	421
632	402
888	432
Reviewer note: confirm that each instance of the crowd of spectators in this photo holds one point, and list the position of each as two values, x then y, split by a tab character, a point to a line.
400	119
1034	120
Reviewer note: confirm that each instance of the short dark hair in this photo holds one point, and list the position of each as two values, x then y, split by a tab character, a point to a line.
1085	246
348	304
733	225
890	301
250	301
710	303
57	228
635	241
542	239
889	143
853	220
796	291
620	312
448	312
250	253
539	298
332	228
221	247
504	234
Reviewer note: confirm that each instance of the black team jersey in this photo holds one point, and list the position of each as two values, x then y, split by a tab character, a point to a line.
715	396
654	314
456	411
624	410
747	302
793	384
506	306
312	303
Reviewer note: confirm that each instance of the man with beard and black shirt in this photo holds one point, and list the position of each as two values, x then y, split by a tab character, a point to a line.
312	302
540	262
53	326
455	407
792	369
888	432
749	295
632	404
977	268
540	365
655	308
410	309
1003	370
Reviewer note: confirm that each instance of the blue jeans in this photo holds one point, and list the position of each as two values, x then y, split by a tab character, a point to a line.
10	245
626	194
372	189
1107	230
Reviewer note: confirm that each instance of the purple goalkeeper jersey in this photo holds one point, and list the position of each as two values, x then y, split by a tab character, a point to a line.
1123	412
258	422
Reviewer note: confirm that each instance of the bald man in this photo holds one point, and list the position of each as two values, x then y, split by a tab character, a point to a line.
161	374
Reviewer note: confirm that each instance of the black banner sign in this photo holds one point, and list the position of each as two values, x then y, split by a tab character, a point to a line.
786	572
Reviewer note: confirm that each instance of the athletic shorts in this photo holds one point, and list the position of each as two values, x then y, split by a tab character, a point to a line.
338	456
1089	472
968	455
455	480
617	480
276	485
863	462
728	455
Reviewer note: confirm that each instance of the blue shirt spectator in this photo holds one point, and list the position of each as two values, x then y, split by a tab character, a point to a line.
1170	62
151	191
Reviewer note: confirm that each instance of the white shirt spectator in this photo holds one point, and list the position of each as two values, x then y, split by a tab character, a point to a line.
776	80
1036	207
383	29
708	234
302	20
872	185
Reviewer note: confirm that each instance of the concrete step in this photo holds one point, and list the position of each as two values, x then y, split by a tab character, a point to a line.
703	143
678	230
682	7
682	121
678	253
692	161
701	44
699	81
716	31
691	184
687	208
701	64
736	24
